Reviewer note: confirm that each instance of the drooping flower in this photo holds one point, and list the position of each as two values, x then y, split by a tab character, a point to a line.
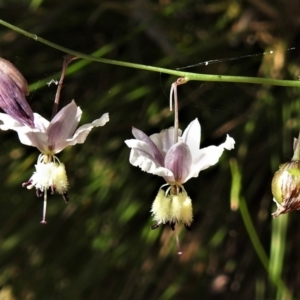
51	138
176	163
13	89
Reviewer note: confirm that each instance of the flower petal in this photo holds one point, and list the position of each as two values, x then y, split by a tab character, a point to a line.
140	135
63	125
164	140
141	155
179	161
143	148
37	136
27	136
13	88
229	143
192	135
34	139
40	123
9	122
81	133
209	156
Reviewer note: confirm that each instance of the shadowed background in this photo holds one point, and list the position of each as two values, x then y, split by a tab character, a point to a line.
100	246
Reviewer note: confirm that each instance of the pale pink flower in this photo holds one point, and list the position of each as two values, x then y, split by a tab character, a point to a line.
176	162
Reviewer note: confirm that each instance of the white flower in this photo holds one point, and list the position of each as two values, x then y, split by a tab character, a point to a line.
51	138
176	163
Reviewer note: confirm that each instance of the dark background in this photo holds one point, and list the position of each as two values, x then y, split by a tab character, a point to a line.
100	246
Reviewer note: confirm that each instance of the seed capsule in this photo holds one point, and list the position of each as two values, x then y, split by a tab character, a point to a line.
286	188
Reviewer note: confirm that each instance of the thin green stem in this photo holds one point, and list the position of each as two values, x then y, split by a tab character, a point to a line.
186	75
259	249
83	63
277	249
252	234
296	155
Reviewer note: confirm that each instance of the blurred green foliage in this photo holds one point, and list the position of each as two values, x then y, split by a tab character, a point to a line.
100	246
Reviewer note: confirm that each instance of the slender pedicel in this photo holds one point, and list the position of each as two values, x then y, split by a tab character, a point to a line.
173	90
66	62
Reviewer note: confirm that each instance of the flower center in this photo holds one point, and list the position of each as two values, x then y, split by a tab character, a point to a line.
50	174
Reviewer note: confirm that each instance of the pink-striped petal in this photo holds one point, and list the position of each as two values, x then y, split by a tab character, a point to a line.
179	161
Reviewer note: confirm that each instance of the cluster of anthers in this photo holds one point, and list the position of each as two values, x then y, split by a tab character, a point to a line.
171	207
50	174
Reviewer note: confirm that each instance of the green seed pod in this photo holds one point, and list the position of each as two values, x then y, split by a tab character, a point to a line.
286	188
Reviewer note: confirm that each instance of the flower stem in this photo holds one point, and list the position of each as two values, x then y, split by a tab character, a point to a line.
296	156
176	122
187	75
67	60
173	90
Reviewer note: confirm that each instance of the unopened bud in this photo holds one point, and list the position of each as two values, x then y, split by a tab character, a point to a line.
13	88
286	188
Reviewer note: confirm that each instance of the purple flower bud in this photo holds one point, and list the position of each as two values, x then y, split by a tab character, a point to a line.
13	88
